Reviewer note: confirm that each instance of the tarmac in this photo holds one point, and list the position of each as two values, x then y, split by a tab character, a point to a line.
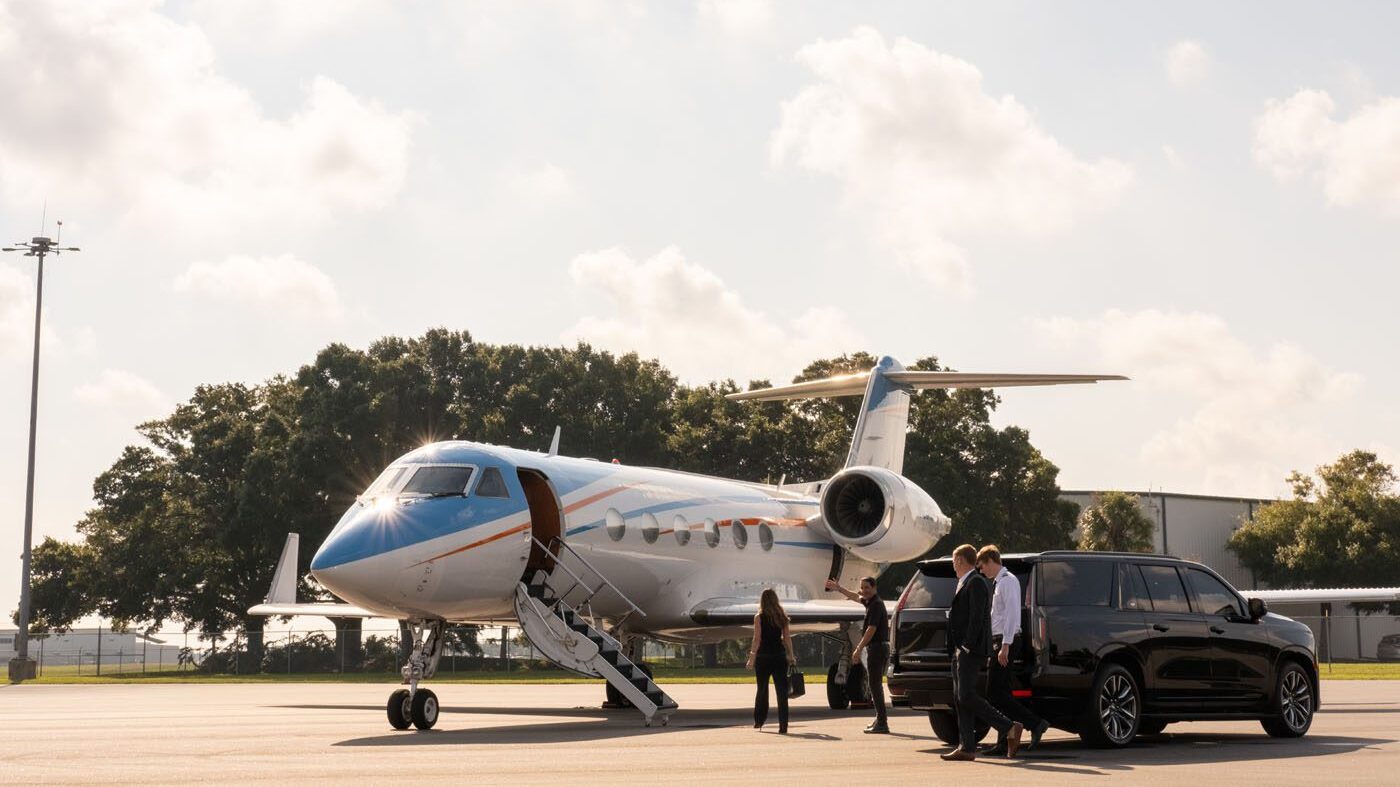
557	735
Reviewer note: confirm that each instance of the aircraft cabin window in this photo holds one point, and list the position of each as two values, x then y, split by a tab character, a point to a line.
682	530
491	484
438	481
765	537
616	525
739	533
1214	597
1164	586
650	528
711	533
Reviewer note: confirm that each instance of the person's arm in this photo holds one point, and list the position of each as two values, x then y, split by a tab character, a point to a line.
787	645
981	618
832	584
1005	599
757	640
864	640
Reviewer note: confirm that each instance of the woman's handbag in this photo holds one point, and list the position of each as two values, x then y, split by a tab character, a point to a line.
797	684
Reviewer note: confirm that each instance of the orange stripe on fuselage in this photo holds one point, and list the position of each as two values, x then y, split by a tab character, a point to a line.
521	528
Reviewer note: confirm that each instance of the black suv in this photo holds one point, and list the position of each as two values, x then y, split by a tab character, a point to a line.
1114	645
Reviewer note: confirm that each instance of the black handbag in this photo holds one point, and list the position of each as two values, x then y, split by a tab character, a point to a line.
797	683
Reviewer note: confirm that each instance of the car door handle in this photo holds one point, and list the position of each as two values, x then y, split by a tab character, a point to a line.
1217	630
1160	627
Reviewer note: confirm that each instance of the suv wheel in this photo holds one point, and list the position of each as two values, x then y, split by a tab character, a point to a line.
1293	702
945	726
1115	709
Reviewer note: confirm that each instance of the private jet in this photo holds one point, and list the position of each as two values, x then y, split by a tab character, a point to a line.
590	558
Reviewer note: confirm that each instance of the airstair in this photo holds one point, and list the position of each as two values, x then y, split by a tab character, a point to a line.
570	634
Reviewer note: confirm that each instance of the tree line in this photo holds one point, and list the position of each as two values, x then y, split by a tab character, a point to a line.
188	522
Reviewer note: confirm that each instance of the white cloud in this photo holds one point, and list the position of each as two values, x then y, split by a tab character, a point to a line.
1187	64
1239	416
1173	157
685	315
930	156
17	323
544	183
1357	160
285	23
282	284
121	110
122	391
737	17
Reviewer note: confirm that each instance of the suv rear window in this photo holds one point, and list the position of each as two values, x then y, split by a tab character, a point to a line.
934	586
1076	583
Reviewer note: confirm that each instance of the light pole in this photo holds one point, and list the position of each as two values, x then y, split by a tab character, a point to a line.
21	666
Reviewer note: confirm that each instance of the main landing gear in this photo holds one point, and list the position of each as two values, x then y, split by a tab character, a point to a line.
846	686
415	706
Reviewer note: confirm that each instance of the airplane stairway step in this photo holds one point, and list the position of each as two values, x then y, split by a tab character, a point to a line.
570	640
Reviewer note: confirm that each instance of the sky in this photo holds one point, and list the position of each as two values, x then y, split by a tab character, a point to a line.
1204	197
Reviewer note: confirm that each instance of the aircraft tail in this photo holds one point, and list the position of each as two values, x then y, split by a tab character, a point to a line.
879	435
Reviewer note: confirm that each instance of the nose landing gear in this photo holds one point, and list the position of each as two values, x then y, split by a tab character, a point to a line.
415	706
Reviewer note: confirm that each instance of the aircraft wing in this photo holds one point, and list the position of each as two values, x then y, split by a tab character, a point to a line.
729	611
326	610
1324	595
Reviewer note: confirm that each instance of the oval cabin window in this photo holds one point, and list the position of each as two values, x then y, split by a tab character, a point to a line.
711	533
650	528
616	525
682	530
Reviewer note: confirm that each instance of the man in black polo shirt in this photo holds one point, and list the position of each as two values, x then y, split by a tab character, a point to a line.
875	641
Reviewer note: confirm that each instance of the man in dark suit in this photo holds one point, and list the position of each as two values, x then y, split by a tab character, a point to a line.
970	645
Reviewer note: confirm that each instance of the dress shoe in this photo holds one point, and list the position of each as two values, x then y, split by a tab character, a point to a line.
877	728
996	750
1013	739
1040	730
782	729
958	755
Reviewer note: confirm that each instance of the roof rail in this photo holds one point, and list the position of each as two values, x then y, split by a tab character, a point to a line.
1106	553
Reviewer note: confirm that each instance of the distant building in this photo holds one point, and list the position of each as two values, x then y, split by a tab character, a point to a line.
1197	527
80	648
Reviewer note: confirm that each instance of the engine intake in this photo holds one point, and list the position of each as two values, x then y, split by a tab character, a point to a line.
880	515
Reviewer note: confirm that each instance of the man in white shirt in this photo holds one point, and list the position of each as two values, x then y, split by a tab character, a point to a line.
1006	628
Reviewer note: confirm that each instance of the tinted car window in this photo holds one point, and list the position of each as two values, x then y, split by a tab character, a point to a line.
1077	583
1132	591
1164	586
934	592
1214	597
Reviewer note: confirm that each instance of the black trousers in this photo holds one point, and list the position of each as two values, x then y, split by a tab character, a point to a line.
971	704
999	691
767	666
877	657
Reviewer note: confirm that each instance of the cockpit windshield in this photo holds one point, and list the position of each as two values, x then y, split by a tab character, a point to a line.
386	482
438	480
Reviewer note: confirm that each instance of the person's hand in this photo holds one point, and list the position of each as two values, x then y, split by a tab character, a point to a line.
832	584
749	664
1004	655
856	655
792	661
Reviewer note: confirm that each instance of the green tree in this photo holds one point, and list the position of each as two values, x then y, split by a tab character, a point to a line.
1115	523
1341	529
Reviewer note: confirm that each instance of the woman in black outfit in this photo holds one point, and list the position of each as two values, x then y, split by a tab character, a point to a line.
770	656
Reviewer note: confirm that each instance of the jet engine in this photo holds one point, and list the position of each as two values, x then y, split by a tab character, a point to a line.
880	516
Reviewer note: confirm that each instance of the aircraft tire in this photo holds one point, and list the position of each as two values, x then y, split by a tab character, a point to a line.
836	698
425	709
400	712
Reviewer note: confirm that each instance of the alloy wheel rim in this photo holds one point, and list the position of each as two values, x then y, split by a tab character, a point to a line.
1118	708
1296	700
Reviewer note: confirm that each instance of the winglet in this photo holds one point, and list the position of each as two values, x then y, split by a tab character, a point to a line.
554	444
284	579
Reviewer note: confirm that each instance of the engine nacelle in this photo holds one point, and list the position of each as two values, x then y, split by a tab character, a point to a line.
881	516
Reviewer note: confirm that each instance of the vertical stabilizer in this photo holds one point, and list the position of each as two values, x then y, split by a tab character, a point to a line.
284	579
884	420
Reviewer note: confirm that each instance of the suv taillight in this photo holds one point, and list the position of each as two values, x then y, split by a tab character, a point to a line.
903	597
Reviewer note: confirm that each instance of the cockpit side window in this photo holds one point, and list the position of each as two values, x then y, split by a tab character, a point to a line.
491	484
386	481
436	480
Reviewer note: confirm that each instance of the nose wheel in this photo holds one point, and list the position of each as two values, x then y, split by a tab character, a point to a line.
416	706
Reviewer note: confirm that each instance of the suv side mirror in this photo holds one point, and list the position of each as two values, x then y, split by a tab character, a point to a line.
1257	608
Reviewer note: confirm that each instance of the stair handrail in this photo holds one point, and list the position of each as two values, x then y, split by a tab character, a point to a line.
601	577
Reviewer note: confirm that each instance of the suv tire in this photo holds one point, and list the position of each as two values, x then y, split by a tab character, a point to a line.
1114	709
945	726
1294	703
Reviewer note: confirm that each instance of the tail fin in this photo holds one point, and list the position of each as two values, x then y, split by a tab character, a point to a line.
884	415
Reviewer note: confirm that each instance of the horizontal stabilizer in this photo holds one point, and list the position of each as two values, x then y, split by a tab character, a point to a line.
1325	595
855	384
731	611
328	610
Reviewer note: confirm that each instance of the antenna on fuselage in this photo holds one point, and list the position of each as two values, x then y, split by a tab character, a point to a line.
554	444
